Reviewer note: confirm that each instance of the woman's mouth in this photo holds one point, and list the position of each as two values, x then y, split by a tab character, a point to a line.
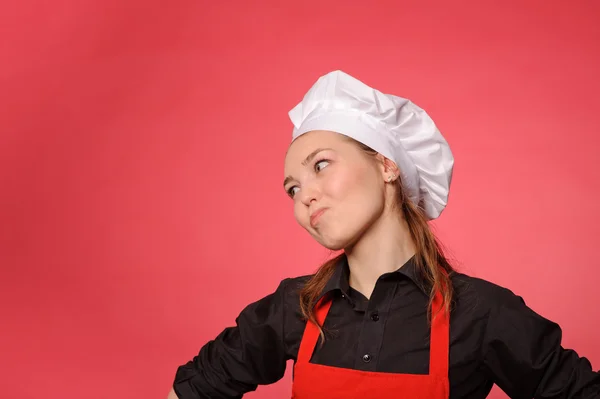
314	218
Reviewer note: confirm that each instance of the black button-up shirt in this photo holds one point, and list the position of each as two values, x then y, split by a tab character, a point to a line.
494	338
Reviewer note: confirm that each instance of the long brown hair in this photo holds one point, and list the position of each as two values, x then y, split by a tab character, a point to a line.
433	268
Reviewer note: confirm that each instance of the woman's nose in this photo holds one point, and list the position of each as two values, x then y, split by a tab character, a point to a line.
310	192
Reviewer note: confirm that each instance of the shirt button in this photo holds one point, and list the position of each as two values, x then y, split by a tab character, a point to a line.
375	316
367	358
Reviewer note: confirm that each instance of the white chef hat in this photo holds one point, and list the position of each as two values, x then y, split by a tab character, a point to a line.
391	125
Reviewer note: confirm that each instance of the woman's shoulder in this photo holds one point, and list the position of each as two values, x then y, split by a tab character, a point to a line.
293	285
275	303
287	290
290	287
483	293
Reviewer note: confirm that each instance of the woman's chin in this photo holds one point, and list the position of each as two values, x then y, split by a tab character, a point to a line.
333	243
333	247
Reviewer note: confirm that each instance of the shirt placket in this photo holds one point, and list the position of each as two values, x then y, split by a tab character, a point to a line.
373	325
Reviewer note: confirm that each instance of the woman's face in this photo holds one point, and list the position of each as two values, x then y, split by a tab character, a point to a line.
338	190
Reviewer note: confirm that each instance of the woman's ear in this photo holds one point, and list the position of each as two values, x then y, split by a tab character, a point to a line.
387	167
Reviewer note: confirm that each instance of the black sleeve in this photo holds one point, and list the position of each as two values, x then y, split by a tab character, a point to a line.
240	358
524	356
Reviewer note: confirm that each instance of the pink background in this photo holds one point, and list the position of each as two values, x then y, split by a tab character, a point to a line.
141	162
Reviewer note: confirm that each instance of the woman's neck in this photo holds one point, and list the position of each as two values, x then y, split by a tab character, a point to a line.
384	248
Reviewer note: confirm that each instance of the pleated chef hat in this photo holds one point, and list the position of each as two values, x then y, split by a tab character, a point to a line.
391	125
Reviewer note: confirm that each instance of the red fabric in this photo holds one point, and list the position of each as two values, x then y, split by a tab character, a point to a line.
315	381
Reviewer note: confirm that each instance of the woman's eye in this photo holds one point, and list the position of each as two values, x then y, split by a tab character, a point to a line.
321	162
291	191
318	166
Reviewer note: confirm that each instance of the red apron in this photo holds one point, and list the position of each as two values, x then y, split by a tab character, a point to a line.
315	381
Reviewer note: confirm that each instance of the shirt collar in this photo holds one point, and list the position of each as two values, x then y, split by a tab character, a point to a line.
339	281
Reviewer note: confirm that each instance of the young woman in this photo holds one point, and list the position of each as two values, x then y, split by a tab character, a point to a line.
389	317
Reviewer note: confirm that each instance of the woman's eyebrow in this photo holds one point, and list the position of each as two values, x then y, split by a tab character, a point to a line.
306	160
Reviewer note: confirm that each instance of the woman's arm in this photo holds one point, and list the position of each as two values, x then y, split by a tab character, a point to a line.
172	395
523	353
240	358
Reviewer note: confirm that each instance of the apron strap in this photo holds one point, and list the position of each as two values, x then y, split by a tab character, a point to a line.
311	332
440	339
